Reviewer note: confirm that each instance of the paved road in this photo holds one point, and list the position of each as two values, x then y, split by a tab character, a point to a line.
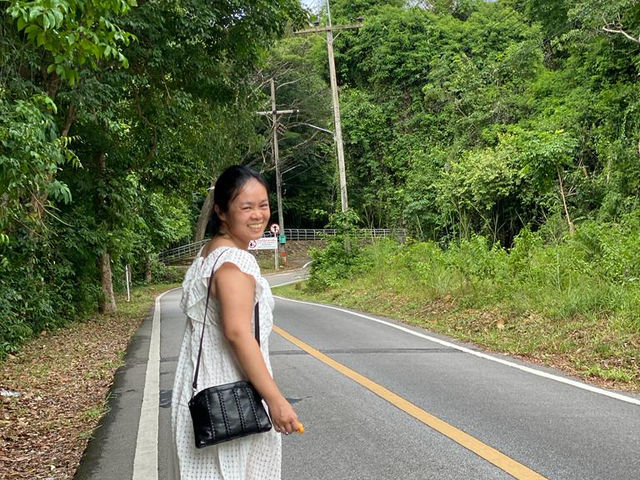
534	426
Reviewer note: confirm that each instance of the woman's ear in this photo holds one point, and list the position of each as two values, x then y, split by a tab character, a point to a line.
221	215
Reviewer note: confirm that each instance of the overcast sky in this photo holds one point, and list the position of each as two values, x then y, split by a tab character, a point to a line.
312	4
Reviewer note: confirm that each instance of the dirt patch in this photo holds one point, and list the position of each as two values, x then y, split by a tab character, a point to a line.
53	392
297	255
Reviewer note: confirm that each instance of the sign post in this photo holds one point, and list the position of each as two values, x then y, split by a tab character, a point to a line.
275	228
127	276
267	243
264	243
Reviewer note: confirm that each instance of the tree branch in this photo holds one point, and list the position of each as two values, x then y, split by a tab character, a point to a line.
71	116
619	31
290	82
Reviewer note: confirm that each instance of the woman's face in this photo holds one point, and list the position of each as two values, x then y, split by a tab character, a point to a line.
248	213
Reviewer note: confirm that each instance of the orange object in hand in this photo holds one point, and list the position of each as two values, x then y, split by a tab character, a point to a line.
300	428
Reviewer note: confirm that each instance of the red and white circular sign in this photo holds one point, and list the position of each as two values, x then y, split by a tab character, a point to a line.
252	245
275	228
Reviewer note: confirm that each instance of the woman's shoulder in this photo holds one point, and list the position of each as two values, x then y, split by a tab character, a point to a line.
222	254
211	247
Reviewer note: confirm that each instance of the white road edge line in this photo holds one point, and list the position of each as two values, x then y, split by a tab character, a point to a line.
530	370
288	283
288	272
145	461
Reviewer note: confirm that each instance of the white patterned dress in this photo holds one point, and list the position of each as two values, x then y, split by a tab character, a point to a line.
255	457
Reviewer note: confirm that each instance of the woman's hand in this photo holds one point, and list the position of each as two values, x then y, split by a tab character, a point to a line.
283	416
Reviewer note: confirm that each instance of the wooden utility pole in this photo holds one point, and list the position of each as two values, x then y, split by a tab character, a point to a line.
276	155
344	202
274	112
276	152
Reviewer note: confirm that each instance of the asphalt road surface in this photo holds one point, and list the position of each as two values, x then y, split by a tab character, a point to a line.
380	400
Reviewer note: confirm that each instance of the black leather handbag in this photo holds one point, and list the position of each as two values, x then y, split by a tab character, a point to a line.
229	411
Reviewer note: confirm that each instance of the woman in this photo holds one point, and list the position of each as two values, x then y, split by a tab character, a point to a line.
230	351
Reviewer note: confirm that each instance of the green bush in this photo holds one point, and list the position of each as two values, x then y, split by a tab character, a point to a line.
40	288
592	273
161	273
335	262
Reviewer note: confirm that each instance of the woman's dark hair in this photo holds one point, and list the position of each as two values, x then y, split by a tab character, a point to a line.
227	187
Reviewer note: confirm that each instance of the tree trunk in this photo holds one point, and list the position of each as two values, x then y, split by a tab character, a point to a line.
147	268
39	198
53	84
572	229
108	301
203	219
70	118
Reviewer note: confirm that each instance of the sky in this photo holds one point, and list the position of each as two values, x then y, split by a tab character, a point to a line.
311	4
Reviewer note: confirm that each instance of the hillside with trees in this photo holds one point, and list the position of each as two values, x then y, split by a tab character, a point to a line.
504	130
465	117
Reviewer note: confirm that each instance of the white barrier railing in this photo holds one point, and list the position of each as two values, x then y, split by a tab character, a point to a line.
187	251
311	234
182	252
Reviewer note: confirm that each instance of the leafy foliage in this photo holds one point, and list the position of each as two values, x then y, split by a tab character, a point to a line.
335	262
592	274
30	152
489	118
513	121
504	136
114	118
73	33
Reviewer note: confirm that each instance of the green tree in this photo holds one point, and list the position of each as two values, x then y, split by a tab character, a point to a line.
111	112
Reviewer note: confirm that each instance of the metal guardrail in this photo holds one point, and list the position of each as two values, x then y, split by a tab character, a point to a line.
311	234
184	252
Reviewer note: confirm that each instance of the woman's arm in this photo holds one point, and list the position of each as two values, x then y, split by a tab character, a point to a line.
235	292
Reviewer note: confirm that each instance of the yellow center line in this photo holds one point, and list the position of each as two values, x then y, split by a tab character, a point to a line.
499	459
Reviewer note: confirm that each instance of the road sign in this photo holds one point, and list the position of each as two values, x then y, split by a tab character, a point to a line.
264	243
275	228
283	239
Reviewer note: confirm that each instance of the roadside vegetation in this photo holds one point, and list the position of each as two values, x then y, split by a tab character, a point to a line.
54	390
115	117
569	302
460	119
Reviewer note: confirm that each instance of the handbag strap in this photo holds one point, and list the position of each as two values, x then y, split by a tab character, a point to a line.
256	316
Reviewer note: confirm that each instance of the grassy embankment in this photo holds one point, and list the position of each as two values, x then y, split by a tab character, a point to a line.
573	304
63	378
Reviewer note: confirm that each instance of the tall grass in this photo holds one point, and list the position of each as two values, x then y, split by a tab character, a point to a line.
579	293
595	272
